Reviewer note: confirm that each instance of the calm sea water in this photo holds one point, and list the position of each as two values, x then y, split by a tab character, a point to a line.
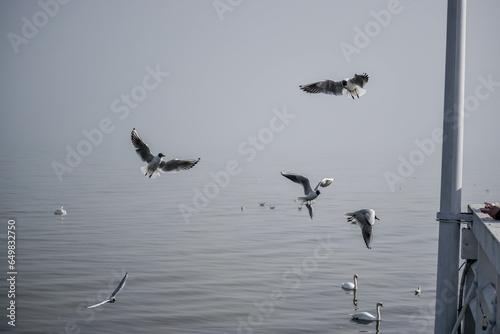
226	270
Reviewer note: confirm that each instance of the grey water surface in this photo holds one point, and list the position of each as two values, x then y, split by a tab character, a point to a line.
220	270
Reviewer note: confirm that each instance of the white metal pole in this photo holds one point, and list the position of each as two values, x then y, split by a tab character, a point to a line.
451	170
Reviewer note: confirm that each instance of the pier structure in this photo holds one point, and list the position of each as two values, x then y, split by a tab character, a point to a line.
479	302
471	305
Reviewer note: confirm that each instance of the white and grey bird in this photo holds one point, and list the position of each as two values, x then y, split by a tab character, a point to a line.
112	297
310	194
156	163
351	285
365	219
60	211
349	87
365	316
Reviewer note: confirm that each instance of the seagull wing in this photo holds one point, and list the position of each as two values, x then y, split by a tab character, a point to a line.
119	287
176	165
141	147
325	86
367	234
110	298
324	183
360	79
364	219
311	210
304	181
99	304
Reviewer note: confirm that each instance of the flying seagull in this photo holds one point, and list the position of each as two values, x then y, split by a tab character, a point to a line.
112	298
365	219
309	193
349	87
156	163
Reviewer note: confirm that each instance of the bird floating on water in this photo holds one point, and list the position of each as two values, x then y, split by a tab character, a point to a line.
156	163
418	291
309	193
350	285
365	316
349	87
60	211
262	203
112	297
365	219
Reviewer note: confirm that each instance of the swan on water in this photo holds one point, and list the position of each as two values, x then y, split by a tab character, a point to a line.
351	285
365	316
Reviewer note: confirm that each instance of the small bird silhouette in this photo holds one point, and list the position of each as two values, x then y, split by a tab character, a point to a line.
112	297
350	87
310	194
156	163
365	219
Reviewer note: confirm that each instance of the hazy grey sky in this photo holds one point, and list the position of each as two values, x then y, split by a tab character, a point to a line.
197	78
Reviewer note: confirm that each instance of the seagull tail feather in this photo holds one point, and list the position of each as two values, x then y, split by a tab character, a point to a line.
144	170
356	93
360	91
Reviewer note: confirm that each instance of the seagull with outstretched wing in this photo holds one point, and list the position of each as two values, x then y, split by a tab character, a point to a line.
350	87
310	194
112	297
156	163
366	220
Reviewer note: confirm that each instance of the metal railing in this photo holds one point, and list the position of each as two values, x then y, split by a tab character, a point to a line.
479	302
